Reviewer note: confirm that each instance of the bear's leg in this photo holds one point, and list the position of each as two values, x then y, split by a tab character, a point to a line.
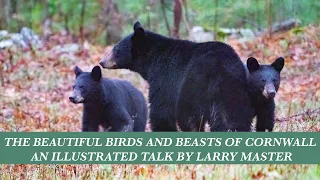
139	124
120	120
106	126
89	124
90	121
140	118
265	117
193	105
216	122
234	112
161	117
162	123
91	118
231	101
191	118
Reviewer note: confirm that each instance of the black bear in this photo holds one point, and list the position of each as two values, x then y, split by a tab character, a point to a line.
116	105
190	83
263	82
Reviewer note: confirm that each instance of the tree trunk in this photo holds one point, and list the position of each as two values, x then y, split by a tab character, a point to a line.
215	25
148	9
30	6
258	17
7	13
47	22
185	15
177	18
66	23
269	17
14	7
3	24
111	18
84	2
165	17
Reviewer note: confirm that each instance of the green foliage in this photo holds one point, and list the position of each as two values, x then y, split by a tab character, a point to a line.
297	30
230	14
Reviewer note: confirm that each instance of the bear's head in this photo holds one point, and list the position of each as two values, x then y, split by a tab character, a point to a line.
125	54
265	79
86	86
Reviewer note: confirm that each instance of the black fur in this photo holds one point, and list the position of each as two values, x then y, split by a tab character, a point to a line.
115	104
189	82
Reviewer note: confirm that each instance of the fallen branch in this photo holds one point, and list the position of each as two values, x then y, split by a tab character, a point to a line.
308	112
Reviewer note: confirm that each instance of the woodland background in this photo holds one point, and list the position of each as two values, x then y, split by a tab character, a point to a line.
42	40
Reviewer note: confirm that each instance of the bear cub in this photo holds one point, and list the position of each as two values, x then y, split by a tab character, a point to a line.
116	105
264	82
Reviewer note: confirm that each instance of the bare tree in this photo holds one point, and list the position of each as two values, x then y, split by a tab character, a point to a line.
258	22
66	23
112	21
269	17
7	13
177	18
215	24
47	22
163	5
14	6
185	15
84	2
3	24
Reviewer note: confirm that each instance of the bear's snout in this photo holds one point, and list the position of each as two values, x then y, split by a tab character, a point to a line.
72	99
269	91
271	94
76	97
108	61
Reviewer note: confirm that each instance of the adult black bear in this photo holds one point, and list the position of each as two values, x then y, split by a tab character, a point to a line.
115	104
189	82
264	82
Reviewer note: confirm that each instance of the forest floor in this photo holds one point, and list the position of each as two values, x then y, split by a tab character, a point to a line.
35	85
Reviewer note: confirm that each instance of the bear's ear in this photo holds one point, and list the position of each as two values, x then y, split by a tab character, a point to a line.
138	30
252	64
278	64
77	71
96	73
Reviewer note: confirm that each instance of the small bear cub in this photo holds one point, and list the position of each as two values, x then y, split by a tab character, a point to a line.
116	105
264	82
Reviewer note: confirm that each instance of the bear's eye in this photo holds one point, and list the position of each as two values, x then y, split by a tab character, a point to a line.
73	86
263	80
274	80
81	87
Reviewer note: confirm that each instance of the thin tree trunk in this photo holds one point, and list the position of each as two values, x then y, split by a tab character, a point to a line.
84	2
165	17
112	20
66	22
215	25
184	17
177	18
47	23
148	15
186	14
30	6
14	6
45	10
3	24
258	17
7	13
269	17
